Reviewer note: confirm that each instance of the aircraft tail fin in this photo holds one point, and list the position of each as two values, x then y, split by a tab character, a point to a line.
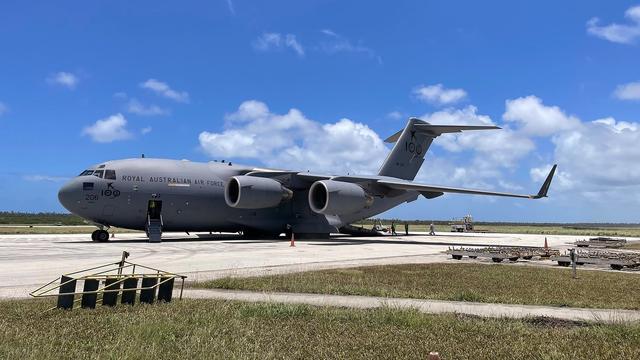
411	145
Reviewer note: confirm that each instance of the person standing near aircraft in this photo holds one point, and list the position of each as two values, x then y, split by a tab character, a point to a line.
393	228
432	229
406	228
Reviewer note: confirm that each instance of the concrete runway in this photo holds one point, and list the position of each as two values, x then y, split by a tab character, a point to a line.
28	261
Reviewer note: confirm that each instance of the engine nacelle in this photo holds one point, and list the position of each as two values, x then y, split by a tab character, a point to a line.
337	197
249	192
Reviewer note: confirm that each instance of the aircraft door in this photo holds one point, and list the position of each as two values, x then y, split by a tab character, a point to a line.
154	209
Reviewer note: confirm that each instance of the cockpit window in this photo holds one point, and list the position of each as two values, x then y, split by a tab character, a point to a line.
98	173
86	172
110	174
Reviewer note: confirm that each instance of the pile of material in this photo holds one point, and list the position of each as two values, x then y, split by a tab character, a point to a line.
605	242
616	260
498	254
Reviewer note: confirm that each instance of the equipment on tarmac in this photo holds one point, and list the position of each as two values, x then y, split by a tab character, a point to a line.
463	225
105	283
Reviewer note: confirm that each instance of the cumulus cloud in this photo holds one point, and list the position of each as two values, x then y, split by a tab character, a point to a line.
164	90
601	153
493	148
277	41
596	159
537	119
438	94
108	130
618	33
136	107
293	141
630	91
3	108
64	79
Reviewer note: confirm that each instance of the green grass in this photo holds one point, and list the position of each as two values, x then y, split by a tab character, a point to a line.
19	230
204	329
20	218
458	282
541	229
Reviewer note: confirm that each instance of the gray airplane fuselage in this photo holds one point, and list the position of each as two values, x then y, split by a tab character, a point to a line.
178	195
192	198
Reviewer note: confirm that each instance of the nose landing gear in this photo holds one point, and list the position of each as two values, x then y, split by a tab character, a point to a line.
100	235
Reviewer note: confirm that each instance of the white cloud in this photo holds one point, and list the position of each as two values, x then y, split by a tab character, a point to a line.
3	108
618	33
250	110
337	43
561	179
601	154
630	91
493	148
293	141
108	130
277	41
232	10
136	107
146	130
537	119
48	178
438	95
64	79
164	90
395	115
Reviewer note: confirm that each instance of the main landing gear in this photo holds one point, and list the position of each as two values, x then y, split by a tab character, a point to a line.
100	235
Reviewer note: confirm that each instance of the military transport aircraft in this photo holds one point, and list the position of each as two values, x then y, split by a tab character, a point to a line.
158	195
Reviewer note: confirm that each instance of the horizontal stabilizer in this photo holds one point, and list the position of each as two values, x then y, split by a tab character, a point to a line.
437	130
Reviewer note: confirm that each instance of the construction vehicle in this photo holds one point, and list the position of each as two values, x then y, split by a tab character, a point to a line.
462	225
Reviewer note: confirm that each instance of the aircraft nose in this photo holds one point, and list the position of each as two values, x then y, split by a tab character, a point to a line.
68	195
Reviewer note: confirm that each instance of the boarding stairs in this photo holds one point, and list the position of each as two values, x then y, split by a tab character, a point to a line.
154	229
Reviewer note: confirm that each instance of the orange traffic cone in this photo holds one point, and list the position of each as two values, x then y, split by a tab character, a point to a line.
293	240
546	246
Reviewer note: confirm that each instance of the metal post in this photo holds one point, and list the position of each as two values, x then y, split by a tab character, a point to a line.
574	259
125	255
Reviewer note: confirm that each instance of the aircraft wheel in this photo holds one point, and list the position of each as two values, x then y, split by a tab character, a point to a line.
94	235
102	236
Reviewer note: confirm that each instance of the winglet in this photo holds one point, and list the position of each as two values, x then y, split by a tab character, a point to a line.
545	186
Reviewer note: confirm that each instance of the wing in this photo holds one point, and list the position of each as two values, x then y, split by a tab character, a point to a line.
431	191
428	191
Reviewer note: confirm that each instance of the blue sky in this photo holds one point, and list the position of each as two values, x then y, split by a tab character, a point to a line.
85	82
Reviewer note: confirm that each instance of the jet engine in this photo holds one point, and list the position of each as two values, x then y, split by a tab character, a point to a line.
249	192
337	197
